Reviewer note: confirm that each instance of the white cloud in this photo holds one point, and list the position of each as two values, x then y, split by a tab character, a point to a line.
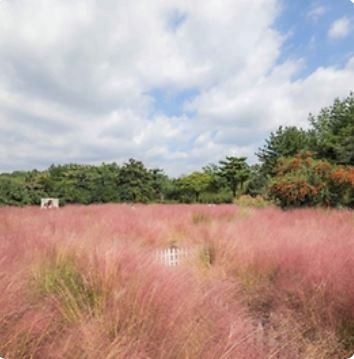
76	81
339	28
244	115
317	11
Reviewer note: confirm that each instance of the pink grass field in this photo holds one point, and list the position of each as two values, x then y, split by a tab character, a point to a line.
84	282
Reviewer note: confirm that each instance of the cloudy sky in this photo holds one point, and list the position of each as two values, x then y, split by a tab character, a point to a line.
175	83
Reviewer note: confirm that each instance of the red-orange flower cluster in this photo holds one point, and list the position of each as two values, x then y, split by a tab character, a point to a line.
304	181
343	175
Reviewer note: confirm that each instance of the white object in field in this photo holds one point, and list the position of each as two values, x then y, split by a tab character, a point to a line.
49	203
173	256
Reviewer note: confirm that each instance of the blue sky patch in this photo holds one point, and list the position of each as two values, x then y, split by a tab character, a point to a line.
170	102
176	19
306	25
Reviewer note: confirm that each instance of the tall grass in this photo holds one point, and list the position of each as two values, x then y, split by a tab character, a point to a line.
82	282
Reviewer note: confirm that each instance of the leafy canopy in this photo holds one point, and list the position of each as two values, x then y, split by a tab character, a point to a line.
236	171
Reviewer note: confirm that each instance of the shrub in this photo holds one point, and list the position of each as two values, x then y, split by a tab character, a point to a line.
216	197
250	201
303	181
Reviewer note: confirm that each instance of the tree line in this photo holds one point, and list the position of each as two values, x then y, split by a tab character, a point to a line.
297	167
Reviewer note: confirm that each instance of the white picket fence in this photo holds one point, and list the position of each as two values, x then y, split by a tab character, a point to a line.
173	256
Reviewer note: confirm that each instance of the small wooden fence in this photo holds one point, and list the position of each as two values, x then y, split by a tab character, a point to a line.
173	256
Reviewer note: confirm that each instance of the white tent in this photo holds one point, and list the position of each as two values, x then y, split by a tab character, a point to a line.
49	203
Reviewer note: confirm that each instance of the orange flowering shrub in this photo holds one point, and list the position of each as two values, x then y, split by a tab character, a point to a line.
342	185
304	181
343	175
295	192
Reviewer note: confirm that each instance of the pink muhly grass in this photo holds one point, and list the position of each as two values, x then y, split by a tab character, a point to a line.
84	282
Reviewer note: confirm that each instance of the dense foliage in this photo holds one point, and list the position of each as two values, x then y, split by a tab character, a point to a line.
296	167
285	142
130	182
303	181
313	167
332	132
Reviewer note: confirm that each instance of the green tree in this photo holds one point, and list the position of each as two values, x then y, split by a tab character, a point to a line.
105	188
236	171
284	142
195	184
135	182
161	184
13	192
217	182
73	183
38	185
332	134
257	182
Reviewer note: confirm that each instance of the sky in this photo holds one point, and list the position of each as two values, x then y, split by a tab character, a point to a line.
176	84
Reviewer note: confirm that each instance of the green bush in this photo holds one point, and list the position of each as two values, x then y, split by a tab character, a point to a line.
216	197
250	201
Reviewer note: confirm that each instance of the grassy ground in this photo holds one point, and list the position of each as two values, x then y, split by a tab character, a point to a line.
83	282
